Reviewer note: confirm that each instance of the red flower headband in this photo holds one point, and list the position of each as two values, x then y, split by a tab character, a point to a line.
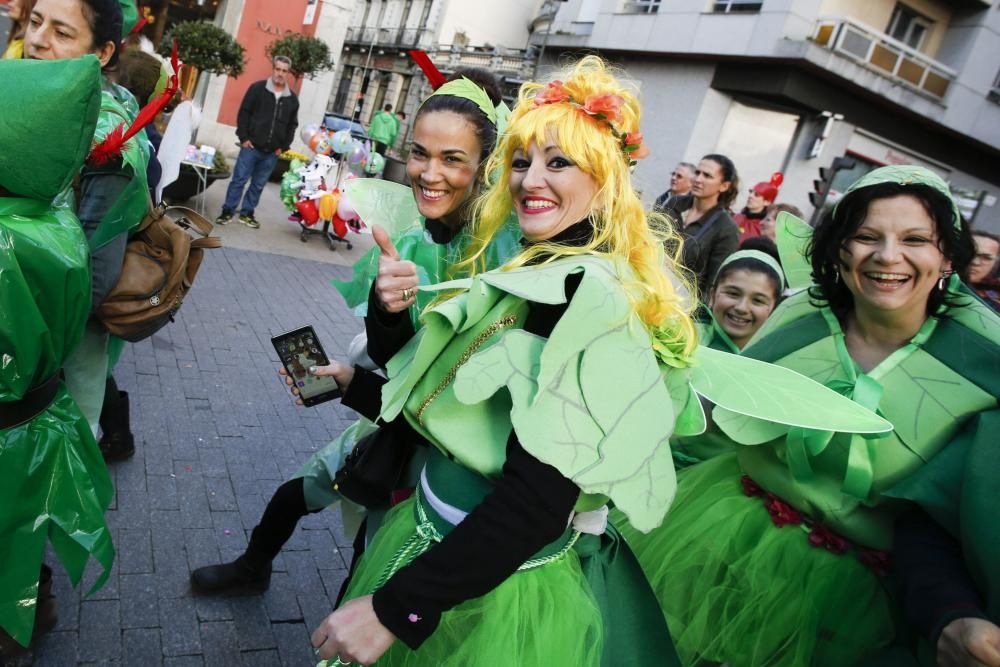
603	107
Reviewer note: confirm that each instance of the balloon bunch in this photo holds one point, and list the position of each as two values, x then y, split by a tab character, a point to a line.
310	193
360	157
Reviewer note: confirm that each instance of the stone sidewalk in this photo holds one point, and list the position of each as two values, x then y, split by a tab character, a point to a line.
216	434
277	234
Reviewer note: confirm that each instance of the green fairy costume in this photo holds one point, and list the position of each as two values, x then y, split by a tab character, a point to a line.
597	400
772	554
392	206
54	486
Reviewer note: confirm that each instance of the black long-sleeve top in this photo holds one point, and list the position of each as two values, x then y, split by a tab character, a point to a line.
930	577
529	508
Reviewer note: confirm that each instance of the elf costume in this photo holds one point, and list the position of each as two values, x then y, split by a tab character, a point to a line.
54	486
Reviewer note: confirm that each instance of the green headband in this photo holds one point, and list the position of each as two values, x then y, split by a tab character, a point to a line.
757	255
907	174
469	90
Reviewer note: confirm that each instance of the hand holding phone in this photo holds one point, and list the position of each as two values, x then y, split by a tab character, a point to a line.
299	351
342	373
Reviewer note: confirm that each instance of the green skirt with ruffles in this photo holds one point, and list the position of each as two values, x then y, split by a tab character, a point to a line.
586	603
737	589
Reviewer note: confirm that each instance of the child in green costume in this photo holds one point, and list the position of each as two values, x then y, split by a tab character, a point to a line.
54	487
773	554
547	388
426	237
745	292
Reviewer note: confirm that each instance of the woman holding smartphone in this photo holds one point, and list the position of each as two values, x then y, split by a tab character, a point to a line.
454	132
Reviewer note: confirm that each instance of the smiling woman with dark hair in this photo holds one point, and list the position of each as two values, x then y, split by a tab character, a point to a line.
890	326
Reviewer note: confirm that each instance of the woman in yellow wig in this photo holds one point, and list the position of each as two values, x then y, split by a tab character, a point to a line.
540	388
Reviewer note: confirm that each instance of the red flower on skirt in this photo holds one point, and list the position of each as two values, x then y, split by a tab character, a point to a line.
822	537
875	560
782	514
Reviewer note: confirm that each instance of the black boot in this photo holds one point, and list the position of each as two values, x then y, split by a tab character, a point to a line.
241	577
117	442
46	618
250	574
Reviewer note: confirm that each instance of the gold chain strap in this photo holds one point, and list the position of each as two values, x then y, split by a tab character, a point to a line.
503	323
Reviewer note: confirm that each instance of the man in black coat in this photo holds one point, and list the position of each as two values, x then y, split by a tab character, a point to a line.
265	127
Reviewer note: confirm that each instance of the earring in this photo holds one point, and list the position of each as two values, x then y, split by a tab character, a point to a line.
941	283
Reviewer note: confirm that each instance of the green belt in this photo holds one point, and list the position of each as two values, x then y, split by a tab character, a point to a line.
464	489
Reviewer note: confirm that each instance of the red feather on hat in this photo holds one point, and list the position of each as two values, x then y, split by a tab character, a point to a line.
111	147
434	75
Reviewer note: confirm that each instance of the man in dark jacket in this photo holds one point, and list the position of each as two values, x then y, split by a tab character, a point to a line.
265	127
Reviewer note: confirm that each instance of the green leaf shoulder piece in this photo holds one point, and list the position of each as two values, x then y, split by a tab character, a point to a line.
591	400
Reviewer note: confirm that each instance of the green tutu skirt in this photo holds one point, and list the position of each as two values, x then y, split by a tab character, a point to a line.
737	589
543	616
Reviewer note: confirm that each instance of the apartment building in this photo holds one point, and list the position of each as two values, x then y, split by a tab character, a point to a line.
374	68
789	85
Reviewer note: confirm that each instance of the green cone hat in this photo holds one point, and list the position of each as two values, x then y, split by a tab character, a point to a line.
47	138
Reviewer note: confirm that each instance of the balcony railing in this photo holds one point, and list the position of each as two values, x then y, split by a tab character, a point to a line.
400	37
501	61
883	54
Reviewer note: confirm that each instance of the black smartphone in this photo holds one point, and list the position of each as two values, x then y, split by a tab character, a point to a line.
299	350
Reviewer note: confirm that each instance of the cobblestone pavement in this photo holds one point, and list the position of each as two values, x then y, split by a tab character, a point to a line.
216	434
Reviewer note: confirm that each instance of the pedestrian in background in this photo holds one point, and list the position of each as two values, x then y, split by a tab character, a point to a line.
767	227
383	129
761	196
702	218
981	275
265	127
19	12
680	184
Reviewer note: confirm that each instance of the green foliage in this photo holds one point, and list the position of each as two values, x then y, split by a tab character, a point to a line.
206	46
220	165
309	56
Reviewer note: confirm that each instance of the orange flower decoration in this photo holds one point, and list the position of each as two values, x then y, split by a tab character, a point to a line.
632	143
554	93
607	106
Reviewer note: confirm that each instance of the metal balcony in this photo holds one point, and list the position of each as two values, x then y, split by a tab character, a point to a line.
389	37
884	55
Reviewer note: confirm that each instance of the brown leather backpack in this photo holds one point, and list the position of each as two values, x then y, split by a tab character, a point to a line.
161	261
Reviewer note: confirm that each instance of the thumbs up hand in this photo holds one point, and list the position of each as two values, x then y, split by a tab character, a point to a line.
396	282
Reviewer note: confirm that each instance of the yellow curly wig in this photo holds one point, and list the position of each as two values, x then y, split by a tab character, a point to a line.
622	228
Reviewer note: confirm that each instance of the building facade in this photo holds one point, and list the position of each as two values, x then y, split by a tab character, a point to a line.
374	68
256	23
789	85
